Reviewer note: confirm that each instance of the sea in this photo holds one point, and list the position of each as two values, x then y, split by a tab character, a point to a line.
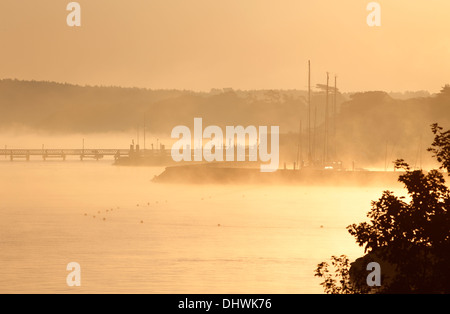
131	235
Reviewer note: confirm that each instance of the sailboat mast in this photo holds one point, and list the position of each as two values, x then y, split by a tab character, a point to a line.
138	134
144	132
309	111
315	134
325	154
334	118
299	147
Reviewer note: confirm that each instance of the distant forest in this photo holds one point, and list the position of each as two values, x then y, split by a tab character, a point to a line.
369	128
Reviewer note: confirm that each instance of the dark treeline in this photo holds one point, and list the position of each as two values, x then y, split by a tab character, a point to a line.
371	127
374	127
65	108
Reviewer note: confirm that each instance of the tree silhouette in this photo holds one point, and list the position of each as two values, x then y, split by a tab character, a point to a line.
337	279
445	90
441	145
411	240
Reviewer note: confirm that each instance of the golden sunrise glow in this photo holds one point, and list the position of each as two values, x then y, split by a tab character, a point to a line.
252	44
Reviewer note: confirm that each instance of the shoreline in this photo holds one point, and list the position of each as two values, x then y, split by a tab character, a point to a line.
211	174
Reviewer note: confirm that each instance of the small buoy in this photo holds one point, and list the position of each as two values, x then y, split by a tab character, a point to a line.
321	226
104	219
142	221
218	225
93	216
85	214
137	205
148	204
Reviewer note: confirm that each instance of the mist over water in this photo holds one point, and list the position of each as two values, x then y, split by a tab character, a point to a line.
94	94
163	238
30	139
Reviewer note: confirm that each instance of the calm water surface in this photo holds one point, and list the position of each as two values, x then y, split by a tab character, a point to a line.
154	238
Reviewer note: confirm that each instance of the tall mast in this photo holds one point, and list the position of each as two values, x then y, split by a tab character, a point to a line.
325	155
144	132
334	118
299	147
315	134
309	111
138	134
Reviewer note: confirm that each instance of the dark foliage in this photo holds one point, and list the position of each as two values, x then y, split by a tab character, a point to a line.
336	277
411	234
441	146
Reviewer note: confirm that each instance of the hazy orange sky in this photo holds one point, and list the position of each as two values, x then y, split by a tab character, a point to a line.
243	44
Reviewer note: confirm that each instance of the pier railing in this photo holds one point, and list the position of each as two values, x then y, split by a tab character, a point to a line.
96	154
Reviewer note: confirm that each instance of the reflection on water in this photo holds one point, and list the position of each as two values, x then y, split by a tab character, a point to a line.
152	238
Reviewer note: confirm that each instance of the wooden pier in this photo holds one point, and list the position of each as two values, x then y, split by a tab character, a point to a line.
62	154
134	156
